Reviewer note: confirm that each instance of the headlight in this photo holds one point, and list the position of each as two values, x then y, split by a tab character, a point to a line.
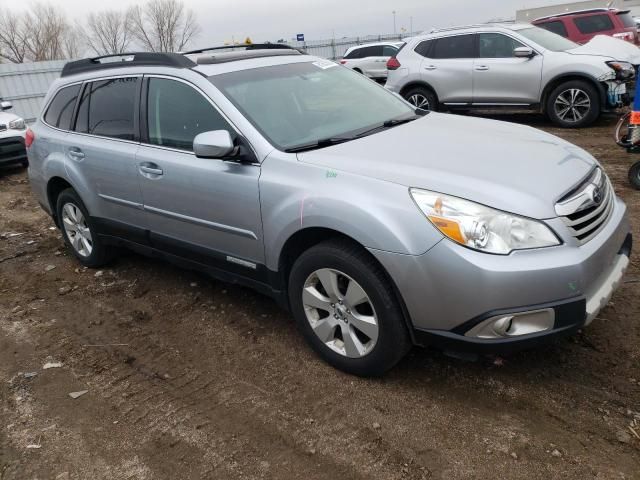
17	124
482	228
624	70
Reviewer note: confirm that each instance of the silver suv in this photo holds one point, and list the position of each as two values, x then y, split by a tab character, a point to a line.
367	218
517	65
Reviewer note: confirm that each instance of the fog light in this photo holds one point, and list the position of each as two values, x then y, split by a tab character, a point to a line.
514	324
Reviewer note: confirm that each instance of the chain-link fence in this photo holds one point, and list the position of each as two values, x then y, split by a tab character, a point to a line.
335	48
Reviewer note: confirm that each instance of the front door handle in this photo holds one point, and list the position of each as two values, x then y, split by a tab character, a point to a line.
482	68
150	169
75	153
430	67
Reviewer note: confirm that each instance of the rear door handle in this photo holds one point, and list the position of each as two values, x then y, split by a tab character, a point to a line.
482	68
75	153
150	169
430	67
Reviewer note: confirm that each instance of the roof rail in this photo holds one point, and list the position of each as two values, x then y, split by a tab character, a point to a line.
252	46
133	59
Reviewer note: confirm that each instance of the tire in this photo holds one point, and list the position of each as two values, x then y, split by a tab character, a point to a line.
634	175
344	345
79	232
25	163
417	96
357	70
573	104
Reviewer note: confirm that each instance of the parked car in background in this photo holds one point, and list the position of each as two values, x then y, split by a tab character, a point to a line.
371	59
514	65
366	217
583	25
12	136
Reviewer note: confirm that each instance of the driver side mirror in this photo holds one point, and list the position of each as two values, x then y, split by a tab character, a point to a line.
4	105
213	144
523	52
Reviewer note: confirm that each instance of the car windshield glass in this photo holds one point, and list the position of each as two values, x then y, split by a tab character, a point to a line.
547	39
301	103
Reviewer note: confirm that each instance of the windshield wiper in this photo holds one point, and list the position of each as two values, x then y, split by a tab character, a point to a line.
388	124
324	142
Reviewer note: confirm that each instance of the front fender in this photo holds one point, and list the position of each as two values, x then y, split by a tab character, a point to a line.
377	214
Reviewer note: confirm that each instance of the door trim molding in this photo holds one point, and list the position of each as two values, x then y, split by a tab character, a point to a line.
121	201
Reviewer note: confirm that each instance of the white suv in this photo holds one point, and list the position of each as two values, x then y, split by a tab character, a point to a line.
515	65
12	134
371	59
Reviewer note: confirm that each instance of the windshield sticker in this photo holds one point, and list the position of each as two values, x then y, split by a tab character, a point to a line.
331	174
324	64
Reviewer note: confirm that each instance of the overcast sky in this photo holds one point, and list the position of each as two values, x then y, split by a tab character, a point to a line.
274	19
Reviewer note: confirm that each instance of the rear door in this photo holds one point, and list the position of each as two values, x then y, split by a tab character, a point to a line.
207	210
501	78
101	153
372	62
448	67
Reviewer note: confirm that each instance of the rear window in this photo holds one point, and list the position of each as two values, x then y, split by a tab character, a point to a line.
107	108
556	27
61	108
627	19
457	46
593	23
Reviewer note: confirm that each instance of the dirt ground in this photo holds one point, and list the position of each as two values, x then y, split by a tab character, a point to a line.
190	378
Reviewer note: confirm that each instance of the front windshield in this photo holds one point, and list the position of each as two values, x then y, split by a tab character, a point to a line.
300	103
546	39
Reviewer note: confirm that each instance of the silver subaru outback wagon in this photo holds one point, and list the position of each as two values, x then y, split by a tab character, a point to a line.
374	223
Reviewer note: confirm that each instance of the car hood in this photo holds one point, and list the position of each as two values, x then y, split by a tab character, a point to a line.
605	46
511	167
6	117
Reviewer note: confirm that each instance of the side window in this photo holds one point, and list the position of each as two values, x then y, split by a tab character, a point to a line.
354	54
107	108
389	51
593	23
61	108
424	48
456	46
176	113
556	27
496	45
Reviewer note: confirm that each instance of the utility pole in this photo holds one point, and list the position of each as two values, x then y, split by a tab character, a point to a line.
394	22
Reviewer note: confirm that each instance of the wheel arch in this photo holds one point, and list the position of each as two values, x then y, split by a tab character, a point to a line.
55	186
419	84
567	77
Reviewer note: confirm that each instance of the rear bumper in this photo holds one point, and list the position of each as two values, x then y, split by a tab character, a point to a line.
12	150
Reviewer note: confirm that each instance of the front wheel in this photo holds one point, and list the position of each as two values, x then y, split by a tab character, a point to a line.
573	104
634	175
346	309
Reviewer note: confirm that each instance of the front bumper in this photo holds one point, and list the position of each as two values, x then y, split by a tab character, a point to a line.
451	289
12	150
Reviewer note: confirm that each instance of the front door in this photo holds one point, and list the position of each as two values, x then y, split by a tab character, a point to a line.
207	210
501	78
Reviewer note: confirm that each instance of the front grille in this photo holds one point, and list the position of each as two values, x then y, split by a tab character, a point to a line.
586	209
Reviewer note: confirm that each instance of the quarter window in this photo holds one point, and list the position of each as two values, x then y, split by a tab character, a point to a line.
107	108
456	46
177	113
389	51
496	45
61	108
424	48
556	27
593	23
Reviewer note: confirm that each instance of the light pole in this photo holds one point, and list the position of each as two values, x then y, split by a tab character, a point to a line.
411	25
394	22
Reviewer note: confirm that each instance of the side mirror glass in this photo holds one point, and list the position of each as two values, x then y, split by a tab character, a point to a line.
213	144
4	105
523	52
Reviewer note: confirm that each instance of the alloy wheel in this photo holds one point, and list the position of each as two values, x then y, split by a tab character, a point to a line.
419	101
340	313
572	105
77	230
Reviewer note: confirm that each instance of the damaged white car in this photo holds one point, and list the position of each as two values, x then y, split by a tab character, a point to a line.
515	66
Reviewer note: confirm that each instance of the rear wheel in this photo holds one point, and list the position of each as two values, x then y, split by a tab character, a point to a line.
573	104
79	232
346	309
422	98
634	175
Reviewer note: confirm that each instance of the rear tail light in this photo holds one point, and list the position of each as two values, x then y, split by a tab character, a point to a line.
342	62
393	64
29	137
628	36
